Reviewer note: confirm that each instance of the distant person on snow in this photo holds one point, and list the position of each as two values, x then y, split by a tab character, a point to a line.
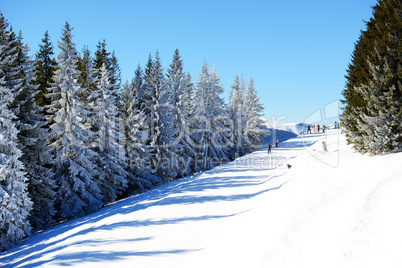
318	128
323	128
314	128
269	148
276	144
308	129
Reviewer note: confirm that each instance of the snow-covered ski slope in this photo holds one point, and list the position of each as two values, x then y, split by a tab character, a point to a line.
330	209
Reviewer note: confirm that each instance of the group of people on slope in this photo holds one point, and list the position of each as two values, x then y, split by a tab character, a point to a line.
316	128
337	125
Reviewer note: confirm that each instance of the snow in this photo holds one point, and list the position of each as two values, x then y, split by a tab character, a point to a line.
296	128
330	209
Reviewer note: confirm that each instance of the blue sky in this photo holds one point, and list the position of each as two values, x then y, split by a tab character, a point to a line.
296	51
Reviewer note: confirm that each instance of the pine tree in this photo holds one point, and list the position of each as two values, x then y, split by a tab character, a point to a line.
208	122
179	89
78	192
45	67
32	137
15	204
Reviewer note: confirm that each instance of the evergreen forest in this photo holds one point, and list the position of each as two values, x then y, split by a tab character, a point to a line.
74	138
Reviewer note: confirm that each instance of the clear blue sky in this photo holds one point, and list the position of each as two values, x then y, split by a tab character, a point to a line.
296	51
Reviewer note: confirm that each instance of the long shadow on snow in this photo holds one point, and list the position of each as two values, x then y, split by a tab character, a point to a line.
32	252
191	199
72	259
35	247
159	196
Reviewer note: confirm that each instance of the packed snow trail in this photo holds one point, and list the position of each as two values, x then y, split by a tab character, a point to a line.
331	209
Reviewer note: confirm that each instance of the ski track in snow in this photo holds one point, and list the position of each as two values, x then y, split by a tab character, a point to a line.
331	209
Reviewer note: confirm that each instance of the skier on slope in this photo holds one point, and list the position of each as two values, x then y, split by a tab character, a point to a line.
318	128
308	129
269	148
276	144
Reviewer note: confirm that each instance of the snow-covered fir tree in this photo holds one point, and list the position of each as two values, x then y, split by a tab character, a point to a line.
32	137
189	94
179	89
236	110
253	126
138	151
210	135
162	130
125	94
103	57
112	158
78	192
15	204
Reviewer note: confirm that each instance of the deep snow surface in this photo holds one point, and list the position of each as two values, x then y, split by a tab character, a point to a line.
330	209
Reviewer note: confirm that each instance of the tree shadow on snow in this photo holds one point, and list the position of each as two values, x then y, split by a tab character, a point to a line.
185	191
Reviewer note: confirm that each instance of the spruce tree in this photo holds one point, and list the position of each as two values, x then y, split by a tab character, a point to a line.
210	135
253	127
138	151
86	74
372	115
124	97
162	129
236	109
354	100
45	67
15	204
112	159
179	89
146	103
32	137
78	192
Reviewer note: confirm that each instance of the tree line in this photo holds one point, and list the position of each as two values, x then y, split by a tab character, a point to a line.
73	138
372	115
